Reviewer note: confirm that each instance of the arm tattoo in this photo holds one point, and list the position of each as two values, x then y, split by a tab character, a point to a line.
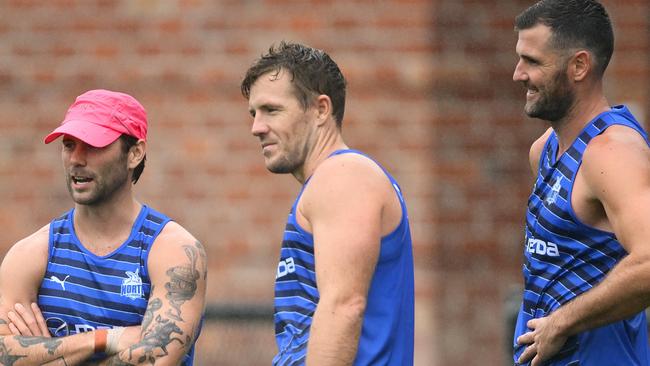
182	283
152	307
204	259
160	336
116	361
6	358
51	344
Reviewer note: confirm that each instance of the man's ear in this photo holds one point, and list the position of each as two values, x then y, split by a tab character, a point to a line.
136	153
323	108
580	65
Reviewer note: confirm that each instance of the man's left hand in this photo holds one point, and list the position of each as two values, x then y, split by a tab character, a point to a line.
543	341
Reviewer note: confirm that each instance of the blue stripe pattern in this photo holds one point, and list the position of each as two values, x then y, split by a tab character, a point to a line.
564	257
82	291
387	332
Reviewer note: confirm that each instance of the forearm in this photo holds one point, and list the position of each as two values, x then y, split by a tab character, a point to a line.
625	291
138	354
21	350
153	346
334	335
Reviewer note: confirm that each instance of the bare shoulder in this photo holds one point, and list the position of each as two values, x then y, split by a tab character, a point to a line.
32	248
173	232
536	150
619	156
615	145
342	180
175	244
349	170
19	282
617	136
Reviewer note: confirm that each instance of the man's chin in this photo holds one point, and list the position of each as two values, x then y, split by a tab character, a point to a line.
83	199
279	167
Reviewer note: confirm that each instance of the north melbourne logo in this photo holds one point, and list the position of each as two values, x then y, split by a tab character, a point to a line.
555	191
132	285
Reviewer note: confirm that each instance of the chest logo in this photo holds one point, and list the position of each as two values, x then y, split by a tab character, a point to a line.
555	191
60	281
541	247
132	285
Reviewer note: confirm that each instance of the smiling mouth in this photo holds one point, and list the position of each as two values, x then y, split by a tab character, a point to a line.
80	180
531	92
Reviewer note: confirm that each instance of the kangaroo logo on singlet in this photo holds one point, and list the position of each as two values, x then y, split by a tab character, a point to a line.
132	285
555	191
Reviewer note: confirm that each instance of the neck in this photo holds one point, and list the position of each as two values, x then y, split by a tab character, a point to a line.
104	226
326	142
579	115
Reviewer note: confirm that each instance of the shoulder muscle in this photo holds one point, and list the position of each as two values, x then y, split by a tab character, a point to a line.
341	183
536	151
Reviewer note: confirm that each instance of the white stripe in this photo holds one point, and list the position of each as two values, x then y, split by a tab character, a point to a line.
85	271
87	304
81	320
87	255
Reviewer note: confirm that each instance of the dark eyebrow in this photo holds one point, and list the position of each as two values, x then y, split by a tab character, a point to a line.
529	58
268	106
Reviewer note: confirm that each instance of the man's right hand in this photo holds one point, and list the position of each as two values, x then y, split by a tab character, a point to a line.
28	321
31	323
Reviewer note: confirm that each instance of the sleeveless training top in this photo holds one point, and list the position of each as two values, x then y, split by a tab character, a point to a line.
82	291
564	257
387	332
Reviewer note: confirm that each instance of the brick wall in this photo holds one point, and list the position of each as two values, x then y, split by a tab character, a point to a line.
430	96
482	178
184	59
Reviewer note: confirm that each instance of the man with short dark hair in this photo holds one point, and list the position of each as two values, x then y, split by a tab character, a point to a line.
587	258
113	280
344	284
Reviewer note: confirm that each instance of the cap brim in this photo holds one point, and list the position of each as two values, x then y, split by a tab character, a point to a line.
90	133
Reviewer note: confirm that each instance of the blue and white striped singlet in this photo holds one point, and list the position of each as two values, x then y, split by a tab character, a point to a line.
82	291
565	257
388	324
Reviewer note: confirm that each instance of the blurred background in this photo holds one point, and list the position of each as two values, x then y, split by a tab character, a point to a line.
430	96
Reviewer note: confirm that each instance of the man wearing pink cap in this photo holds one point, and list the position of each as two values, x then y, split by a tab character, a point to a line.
114	281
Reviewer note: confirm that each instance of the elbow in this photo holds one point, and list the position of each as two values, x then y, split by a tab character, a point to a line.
350	307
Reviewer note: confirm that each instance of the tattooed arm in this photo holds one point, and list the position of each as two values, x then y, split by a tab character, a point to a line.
19	285
178	270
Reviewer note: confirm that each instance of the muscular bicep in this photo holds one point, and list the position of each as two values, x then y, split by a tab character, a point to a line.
344	209
19	283
177	268
617	171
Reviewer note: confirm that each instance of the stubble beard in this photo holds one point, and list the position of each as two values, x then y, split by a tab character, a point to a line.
554	102
287	163
113	178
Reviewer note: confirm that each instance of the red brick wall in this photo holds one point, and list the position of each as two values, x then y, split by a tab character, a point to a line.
184	60
481	175
430	96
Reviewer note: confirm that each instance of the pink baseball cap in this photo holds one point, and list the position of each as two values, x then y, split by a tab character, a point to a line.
99	117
